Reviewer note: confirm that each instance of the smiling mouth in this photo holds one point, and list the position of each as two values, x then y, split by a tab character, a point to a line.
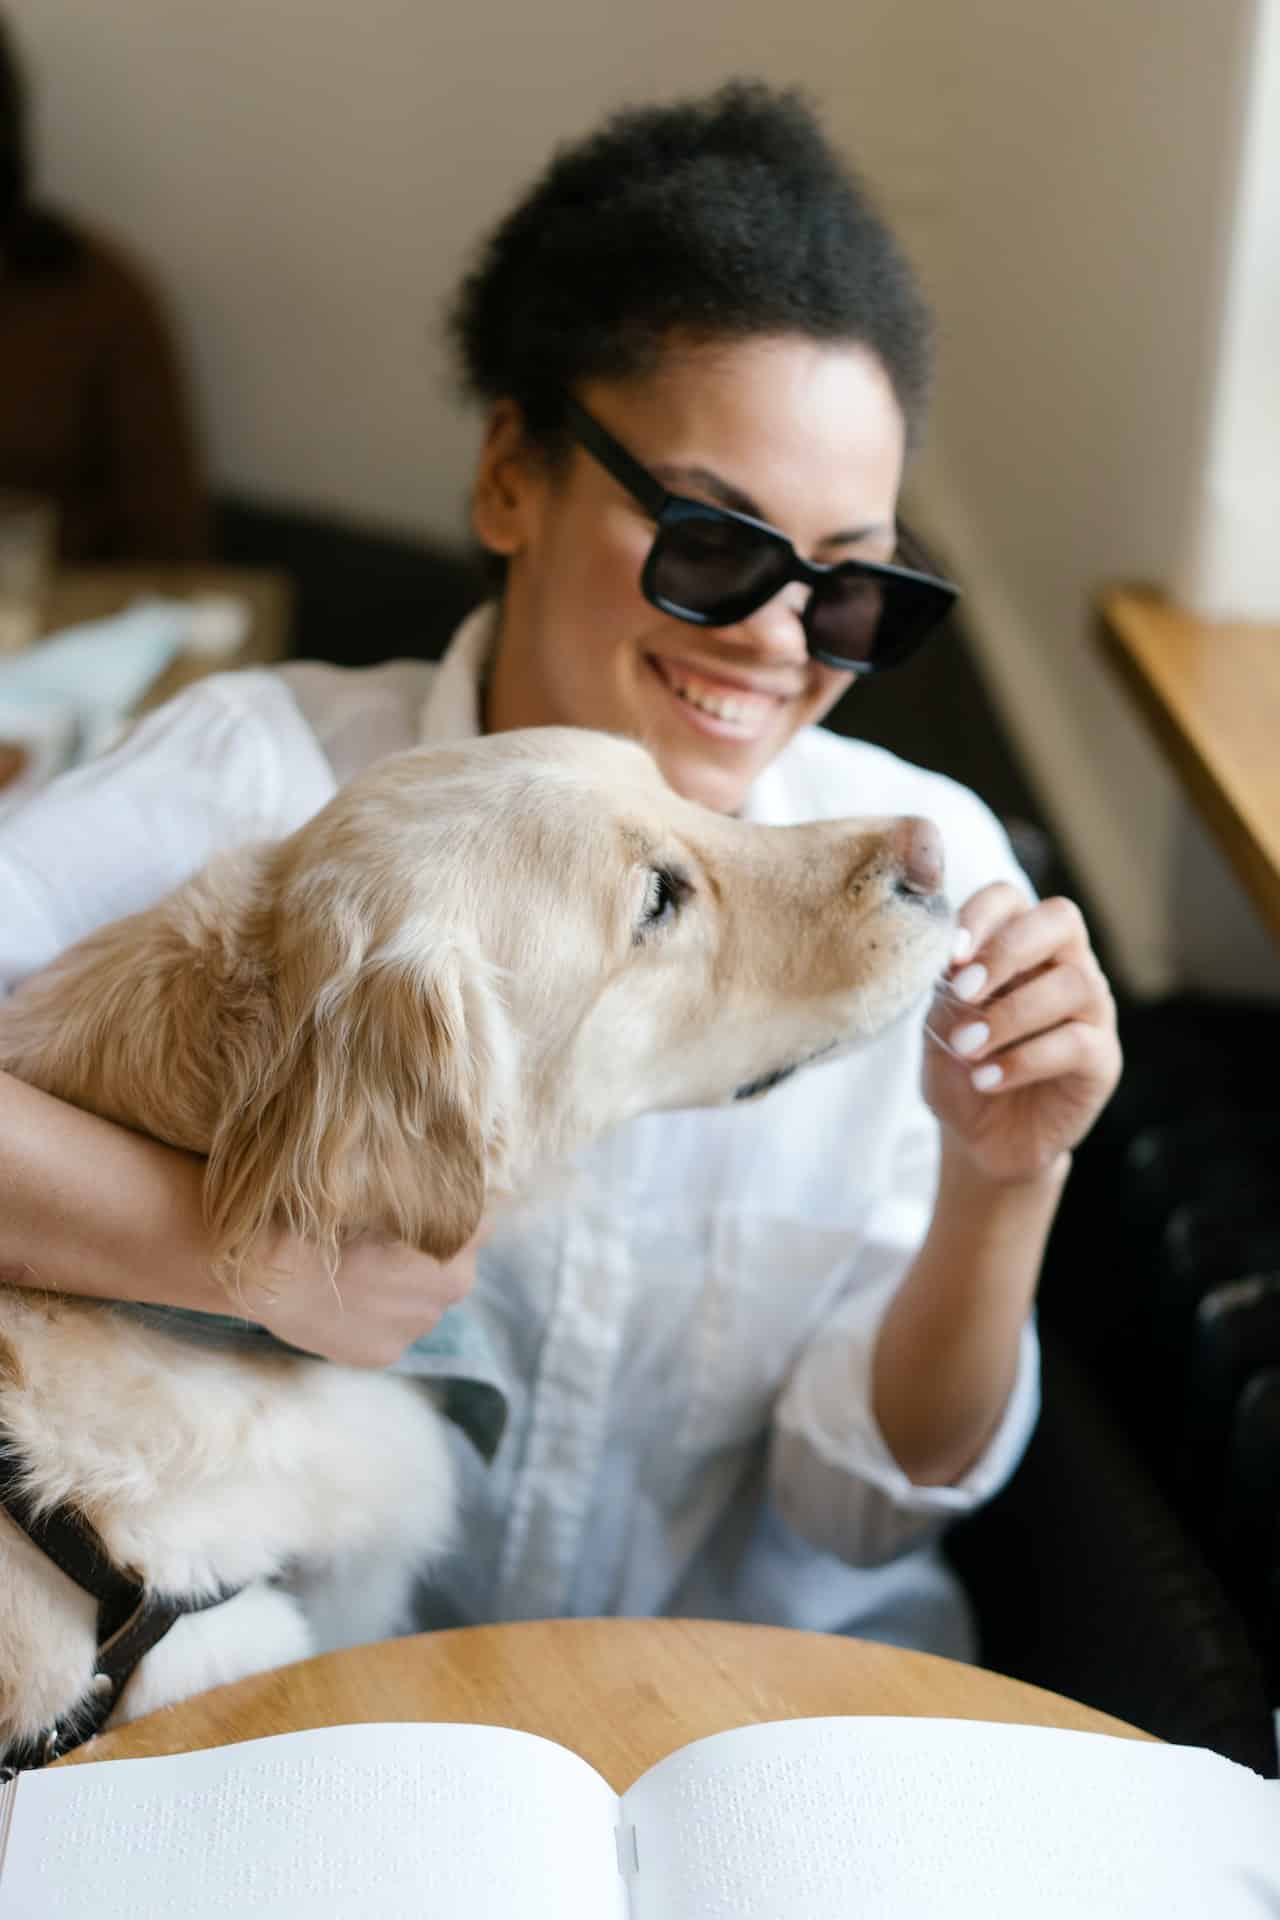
734	711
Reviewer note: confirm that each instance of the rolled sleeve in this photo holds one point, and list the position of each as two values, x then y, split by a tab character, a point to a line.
836	1483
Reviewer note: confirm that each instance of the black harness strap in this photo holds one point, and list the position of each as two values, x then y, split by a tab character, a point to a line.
130	1620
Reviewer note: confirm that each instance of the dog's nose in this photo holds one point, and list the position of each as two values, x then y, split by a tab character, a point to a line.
918	846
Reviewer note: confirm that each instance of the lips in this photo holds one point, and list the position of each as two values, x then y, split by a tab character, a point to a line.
738	710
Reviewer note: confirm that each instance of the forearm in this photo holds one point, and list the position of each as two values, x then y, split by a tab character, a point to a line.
87	1207
946	1355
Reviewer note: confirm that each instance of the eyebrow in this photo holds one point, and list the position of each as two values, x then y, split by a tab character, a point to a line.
725	494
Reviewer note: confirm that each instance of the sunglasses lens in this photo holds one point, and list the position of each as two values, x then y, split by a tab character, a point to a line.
862	621
716	569
845	615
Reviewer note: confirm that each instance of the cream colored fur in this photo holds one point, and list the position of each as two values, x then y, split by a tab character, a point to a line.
463	968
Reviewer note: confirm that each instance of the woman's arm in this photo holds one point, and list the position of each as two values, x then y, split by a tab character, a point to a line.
87	1207
947	1353
1028	1060
91	1209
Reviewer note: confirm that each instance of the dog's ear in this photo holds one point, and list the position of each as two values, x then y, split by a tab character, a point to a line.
362	1100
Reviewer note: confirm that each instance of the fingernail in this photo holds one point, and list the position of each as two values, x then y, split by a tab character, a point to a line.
984	1078
970	1039
961	945
969	984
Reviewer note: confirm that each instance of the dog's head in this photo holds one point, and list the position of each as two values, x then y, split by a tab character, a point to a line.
477	958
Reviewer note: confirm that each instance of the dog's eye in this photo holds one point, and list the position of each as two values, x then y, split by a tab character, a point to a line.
663	894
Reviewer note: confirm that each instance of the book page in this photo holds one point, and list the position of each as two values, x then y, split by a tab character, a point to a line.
892	1819
401	1822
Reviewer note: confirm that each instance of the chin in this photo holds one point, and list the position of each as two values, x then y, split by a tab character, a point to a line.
704	778
710	787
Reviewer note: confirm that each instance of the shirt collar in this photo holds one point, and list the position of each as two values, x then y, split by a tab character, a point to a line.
451	710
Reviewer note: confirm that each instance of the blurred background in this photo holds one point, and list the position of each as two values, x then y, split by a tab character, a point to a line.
1092	194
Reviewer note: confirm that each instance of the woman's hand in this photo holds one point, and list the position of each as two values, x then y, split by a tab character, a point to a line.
383	1298
1024	1053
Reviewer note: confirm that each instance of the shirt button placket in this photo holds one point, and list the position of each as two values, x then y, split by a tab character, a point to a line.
568	1418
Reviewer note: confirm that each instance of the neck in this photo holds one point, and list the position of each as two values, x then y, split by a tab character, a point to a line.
499	689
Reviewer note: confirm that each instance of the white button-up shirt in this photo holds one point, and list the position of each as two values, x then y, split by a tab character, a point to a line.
684	1333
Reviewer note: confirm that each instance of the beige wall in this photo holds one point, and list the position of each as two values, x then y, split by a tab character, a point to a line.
308	175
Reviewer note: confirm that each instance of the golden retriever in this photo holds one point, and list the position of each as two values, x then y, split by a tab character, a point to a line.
469	964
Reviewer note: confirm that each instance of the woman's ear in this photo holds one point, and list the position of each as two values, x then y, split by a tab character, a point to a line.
506	483
363	1102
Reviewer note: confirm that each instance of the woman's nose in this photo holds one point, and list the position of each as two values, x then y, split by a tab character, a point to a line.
777	628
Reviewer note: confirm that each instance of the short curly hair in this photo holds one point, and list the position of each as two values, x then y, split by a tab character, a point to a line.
722	218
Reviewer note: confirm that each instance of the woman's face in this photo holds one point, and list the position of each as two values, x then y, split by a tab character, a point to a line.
806	436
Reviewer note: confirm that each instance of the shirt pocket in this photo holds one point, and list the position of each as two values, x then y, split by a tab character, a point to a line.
770	1282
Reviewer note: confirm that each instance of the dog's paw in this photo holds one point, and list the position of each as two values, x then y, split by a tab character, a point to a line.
255	1630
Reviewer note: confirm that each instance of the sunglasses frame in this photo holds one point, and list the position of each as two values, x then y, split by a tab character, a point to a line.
668	509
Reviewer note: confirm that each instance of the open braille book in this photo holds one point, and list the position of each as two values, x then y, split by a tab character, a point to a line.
825	1819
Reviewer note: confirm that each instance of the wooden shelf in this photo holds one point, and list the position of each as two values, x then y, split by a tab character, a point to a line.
1210	691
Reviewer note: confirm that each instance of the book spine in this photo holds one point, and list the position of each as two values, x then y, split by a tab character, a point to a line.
8	1801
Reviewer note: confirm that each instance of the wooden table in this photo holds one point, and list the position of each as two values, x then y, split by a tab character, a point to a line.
1211	693
622	1693
94	593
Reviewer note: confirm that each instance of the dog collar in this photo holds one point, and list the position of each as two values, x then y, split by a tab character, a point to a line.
130	1620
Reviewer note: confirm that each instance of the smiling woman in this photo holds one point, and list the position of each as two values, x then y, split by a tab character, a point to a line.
752	1360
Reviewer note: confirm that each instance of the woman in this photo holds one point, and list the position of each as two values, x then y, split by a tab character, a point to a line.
758	1358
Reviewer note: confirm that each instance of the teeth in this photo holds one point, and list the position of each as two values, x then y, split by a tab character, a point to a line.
736	709
722	708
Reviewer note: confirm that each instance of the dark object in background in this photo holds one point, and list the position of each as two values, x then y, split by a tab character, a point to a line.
1163	1273
360	597
94	410
1085	1580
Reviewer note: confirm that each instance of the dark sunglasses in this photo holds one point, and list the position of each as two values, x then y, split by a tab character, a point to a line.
713	567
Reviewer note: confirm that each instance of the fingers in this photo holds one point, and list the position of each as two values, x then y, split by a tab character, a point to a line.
1011	938
383	1297
1028	1001
1077	1049
398	1279
1030	1006
456	1278
981	914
